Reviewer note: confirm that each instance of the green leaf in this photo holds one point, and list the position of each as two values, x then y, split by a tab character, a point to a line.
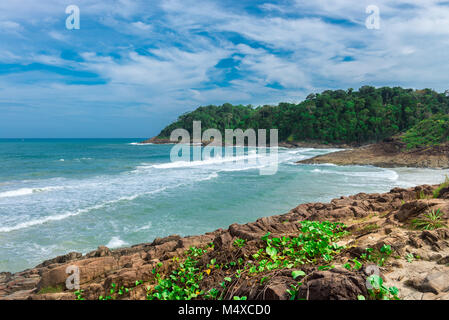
298	273
272	252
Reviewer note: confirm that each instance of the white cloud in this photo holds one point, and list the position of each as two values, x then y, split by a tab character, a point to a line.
161	56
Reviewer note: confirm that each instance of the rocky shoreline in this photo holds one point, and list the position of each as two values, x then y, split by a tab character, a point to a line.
388	154
418	264
283	144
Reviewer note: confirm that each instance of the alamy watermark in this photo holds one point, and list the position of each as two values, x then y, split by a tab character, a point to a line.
265	158
373	20
73	21
73	280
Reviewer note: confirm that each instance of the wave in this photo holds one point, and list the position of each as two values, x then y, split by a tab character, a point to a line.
26	191
68	214
145	227
384	174
115	242
139	144
211	161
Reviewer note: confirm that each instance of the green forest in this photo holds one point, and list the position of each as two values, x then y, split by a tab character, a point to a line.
333	116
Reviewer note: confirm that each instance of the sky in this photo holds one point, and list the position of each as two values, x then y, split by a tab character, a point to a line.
134	66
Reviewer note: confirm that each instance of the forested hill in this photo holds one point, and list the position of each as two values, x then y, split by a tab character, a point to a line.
367	115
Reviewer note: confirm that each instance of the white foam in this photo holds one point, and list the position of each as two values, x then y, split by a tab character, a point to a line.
68	214
210	161
115	242
26	191
384	174
145	227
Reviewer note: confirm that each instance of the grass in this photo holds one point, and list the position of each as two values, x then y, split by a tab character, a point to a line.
430	221
57	289
445	184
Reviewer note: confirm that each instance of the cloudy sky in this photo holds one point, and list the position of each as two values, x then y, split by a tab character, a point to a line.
135	65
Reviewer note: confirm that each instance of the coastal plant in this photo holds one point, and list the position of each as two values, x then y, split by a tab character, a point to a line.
79	295
212	294
183	283
315	242
294	290
410	257
353	264
445	184
298	273
433	219
240	243
379	257
379	291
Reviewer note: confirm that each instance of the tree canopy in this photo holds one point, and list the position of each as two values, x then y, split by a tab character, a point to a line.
333	116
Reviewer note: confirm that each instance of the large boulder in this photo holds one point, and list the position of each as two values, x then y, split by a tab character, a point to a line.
335	284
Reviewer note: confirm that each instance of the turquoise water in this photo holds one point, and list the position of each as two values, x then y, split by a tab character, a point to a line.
63	195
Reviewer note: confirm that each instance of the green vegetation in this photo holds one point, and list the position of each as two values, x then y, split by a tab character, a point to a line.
79	295
353	264
379	257
430	221
316	242
314	247
240	243
367	115
445	184
183	283
379	291
429	132
57	289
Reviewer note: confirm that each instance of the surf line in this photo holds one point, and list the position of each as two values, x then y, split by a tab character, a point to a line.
181	151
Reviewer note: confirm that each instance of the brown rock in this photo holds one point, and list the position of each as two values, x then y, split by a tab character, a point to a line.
277	292
336	284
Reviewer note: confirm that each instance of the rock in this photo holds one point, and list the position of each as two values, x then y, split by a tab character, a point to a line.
88	270
54	296
434	282
61	259
335	284
223	241
18	295
159	241
411	209
443	260
277	292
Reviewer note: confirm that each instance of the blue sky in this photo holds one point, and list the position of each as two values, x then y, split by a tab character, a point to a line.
135	65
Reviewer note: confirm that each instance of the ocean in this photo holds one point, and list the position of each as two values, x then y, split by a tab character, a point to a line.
62	195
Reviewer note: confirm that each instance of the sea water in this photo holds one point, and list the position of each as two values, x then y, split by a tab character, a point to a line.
64	195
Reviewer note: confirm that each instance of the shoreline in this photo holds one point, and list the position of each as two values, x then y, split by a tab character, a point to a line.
390	153
282	144
387	211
